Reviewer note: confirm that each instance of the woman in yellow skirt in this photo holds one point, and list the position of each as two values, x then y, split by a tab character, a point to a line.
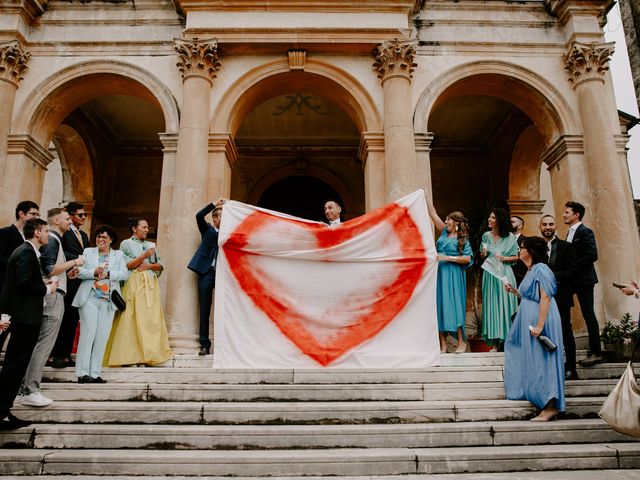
139	334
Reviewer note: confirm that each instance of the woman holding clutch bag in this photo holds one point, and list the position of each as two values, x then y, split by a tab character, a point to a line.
139	334
101	275
531	372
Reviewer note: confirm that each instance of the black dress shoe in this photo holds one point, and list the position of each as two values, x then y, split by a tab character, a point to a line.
204	351
70	363
85	379
11	423
98	380
591	360
571	375
57	363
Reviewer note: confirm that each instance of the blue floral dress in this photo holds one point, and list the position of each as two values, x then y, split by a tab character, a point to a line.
530	372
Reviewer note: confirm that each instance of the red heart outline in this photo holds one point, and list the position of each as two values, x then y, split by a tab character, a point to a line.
388	302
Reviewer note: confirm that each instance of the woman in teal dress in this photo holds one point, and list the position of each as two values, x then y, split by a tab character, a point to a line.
531	372
499	249
454	257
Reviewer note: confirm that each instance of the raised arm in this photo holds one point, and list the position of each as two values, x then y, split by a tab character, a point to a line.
435	218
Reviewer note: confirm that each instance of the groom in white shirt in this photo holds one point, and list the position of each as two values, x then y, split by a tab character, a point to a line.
332	212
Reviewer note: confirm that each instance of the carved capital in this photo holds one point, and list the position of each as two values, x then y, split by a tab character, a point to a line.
198	58
13	62
587	61
395	59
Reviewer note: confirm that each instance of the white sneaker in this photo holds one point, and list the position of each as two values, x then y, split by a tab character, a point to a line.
35	399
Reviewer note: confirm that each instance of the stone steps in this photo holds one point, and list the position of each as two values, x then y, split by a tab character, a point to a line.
296	412
206	376
342	461
176	392
253	437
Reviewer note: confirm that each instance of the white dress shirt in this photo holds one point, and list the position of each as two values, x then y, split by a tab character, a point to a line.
572	231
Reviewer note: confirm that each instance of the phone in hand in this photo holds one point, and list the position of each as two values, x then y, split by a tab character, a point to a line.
618	285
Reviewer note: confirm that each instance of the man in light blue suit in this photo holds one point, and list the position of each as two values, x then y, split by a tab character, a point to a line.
204	264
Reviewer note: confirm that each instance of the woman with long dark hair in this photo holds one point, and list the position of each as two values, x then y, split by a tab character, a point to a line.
454	257
531	372
499	249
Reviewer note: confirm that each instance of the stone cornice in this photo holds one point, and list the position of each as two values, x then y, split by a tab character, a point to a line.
518	206
223	142
408	6
423	141
13	62
587	61
169	142
198	58
565	9
395	59
370	142
565	145
27	146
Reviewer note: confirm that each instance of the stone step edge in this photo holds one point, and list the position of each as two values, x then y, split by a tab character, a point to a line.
374	461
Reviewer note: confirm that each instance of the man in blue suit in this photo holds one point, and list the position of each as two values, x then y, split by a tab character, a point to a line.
204	264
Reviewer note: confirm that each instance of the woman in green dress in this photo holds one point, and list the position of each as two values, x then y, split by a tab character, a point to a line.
499	249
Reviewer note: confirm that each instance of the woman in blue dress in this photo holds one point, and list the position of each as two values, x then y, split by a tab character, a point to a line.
454	257
531	372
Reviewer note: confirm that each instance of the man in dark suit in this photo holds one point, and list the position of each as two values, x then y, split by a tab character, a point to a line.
583	242
11	238
563	264
519	268
22	298
204	264
74	241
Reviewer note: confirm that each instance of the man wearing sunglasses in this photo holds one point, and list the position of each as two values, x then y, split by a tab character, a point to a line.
11	237
74	241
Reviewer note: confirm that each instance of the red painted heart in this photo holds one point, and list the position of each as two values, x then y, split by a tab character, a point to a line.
375	310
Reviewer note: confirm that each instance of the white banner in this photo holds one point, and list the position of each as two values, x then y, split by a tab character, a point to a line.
292	293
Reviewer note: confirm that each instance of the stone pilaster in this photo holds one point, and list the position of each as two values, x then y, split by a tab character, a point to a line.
13	64
394	63
371	154
586	64
198	62
423	162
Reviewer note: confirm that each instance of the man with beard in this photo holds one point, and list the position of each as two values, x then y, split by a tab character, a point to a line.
563	264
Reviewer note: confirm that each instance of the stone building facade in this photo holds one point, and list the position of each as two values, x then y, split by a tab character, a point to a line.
630	12
156	107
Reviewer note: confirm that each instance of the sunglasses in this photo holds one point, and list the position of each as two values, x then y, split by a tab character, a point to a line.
80	214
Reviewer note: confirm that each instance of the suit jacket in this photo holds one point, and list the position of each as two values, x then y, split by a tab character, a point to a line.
519	268
118	272
586	253
24	290
208	249
10	239
71	246
562	262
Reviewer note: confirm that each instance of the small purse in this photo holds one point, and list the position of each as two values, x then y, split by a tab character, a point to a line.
621	409
118	301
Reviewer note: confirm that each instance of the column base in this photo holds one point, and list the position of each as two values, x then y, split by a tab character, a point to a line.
184	344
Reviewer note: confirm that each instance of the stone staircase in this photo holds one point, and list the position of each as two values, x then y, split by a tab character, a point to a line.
189	420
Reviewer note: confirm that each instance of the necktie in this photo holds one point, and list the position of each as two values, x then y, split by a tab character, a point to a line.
78	236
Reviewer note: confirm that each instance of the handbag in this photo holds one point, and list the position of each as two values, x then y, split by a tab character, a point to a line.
118	301
621	409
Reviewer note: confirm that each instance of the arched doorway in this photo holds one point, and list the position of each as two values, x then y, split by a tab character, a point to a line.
293	123
102	120
301	196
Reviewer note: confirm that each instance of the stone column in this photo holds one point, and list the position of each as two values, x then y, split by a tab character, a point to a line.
13	63
423	163
530	211
394	64
223	156
618	242
198	63
371	154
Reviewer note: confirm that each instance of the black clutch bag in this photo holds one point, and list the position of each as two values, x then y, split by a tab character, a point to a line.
118	301
546	342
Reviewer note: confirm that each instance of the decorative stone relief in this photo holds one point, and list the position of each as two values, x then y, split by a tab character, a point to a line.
587	61
297	59
13	62
395	58
198	58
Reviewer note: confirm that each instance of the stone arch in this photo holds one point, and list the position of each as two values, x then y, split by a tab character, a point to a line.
62	92
275	78
528	91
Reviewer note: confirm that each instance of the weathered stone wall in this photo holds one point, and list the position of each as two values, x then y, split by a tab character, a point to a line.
630	10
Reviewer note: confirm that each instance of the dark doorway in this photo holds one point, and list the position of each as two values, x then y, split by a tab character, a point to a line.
302	196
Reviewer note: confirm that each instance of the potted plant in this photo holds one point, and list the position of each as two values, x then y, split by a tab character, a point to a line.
619	339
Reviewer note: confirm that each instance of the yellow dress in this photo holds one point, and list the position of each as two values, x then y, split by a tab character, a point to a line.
139	333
